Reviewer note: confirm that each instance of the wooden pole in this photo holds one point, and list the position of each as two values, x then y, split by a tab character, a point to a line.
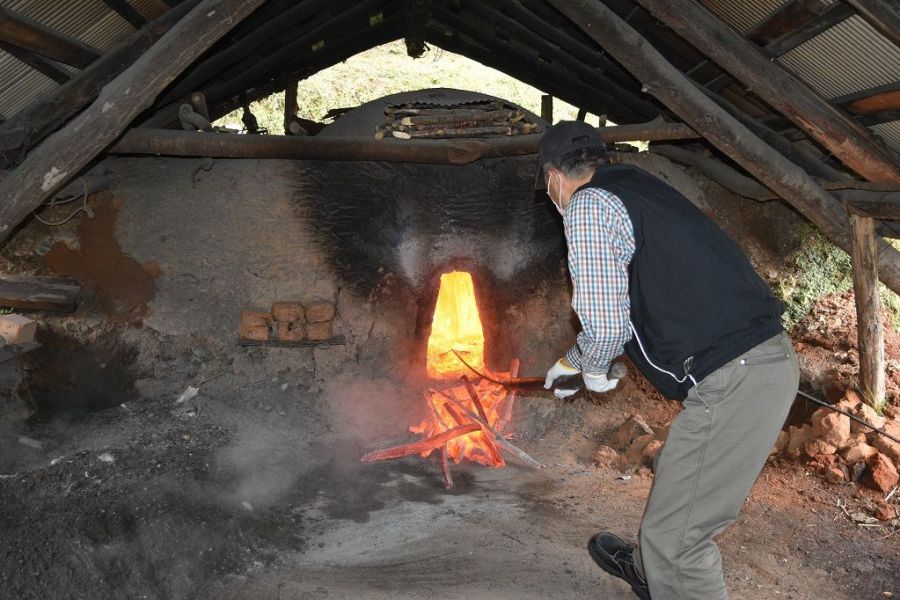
868	308
28	34
547	108
850	142
69	150
726	133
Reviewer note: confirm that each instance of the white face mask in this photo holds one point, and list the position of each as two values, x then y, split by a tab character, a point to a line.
558	192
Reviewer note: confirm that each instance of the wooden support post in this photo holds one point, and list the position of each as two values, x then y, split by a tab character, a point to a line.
47	67
582	114
69	150
679	94
127	12
850	142
290	106
36	121
868	307
547	108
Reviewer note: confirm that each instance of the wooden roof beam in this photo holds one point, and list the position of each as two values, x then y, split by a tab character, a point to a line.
727	134
203	71
125	10
38	63
883	15
68	151
796	22
850	142
27	34
554	54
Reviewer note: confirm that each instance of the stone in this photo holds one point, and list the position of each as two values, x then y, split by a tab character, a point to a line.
318	332
882	473
857	470
835	475
635	453
780	443
886	446
319	312
289	332
797	438
607	457
867	414
849	402
859	452
816	447
633	428
17	330
833	428
651	451
885	512
288	312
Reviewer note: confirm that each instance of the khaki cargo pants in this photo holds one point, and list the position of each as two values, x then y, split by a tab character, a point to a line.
714	452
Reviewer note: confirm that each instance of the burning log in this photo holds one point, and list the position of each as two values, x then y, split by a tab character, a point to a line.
422	446
521	455
488	441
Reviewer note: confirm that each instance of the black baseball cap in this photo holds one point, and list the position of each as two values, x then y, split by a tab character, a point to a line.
562	138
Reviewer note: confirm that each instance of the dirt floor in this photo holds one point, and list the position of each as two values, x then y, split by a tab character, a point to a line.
112	488
259	493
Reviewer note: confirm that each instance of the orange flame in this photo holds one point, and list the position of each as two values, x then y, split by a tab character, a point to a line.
457	326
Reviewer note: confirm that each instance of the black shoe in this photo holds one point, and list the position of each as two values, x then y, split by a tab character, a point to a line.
616	558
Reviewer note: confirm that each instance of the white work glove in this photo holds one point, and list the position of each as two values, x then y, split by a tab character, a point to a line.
560	368
599	383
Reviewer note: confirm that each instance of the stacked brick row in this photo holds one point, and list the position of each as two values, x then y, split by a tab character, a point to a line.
289	322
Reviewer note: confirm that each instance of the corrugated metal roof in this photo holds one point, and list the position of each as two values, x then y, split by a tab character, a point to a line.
847	58
90	21
889	132
742	16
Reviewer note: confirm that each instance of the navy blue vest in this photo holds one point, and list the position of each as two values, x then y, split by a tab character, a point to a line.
696	302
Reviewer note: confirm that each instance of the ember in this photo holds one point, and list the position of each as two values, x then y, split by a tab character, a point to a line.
467	419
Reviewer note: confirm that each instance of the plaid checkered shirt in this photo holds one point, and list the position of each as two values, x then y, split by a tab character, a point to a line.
600	237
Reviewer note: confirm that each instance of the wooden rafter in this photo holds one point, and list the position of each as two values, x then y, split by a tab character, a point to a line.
27	34
65	153
796	22
128	12
850	142
682	97
883	15
38	63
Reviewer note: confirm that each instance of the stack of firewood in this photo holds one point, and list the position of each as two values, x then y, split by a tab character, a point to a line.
289	322
473	120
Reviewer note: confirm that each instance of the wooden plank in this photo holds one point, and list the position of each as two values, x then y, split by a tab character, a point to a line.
64	154
883	15
337	340
864	256
726	133
48	68
783	20
18	30
39	293
871	101
36	121
822	18
850	142
125	10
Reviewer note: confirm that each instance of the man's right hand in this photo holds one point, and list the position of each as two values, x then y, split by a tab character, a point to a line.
560	368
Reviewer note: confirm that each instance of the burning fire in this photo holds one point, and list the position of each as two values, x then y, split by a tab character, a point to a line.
457	326
467	418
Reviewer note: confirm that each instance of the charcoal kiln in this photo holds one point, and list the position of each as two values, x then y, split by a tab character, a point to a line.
404	225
